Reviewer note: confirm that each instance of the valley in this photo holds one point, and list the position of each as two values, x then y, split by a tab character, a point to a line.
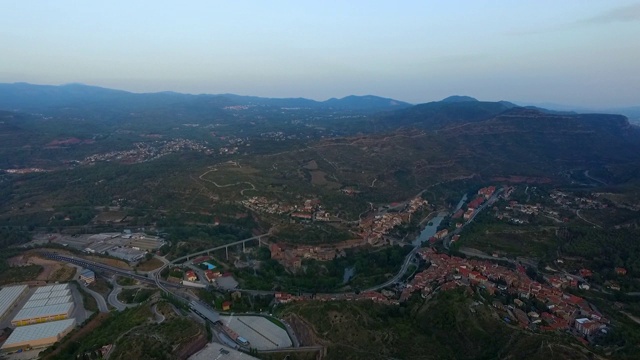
330	219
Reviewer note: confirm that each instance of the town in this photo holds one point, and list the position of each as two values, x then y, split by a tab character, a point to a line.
517	298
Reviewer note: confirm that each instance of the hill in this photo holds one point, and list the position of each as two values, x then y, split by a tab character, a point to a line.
447	327
458	98
441	114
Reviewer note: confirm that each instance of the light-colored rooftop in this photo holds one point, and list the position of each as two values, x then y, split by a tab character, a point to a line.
52	288
43	311
60	293
38	331
44	289
49	301
35	303
9	295
60	287
45	295
87	273
59	300
39	296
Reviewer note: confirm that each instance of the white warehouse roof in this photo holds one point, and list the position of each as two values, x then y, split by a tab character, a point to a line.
60	287
43	311
35	303
59	293
39	296
44	302
39	331
9	295
52	288
59	300
44	289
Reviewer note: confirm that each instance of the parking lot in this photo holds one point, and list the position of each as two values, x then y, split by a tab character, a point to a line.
260	332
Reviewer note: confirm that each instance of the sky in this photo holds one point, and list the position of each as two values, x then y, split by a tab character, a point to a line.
576	52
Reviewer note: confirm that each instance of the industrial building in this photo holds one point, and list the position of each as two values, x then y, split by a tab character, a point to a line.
52	288
127	254
36	315
38	336
204	312
9	296
44	302
48	303
87	276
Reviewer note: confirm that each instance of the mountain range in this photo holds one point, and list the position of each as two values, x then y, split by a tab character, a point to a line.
29	97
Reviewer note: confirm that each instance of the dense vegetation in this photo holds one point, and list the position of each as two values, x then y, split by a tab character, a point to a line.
371	267
445	328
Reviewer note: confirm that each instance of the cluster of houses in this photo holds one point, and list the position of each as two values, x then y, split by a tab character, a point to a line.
263	205
374	228
571	201
483	195
311	210
284	298
146	152
291	256
562	311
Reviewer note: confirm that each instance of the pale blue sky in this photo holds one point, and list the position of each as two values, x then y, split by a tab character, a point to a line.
579	52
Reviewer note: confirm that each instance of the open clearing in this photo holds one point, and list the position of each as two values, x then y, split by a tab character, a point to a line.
261	333
51	270
150	264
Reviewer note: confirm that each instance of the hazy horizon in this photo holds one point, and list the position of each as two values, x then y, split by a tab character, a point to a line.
575	53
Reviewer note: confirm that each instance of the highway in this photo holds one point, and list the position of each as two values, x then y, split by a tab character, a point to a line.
98	266
400	273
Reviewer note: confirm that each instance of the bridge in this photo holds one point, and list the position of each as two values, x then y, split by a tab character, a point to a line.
226	247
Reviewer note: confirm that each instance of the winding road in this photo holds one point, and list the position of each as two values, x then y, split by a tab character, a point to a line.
102	305
253	187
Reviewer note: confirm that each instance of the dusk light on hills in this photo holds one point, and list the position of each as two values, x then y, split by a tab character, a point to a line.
581	53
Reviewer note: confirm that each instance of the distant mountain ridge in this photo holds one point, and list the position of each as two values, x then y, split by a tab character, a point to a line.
29	97
458	98
456	111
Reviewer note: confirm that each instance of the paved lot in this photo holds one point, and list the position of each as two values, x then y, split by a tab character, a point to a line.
227	282
260	332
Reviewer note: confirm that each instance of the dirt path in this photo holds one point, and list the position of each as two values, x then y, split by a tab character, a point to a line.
633	318
252	188
304	331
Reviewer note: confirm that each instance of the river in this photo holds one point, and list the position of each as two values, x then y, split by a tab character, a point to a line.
429	230
432	227
348	274
460	203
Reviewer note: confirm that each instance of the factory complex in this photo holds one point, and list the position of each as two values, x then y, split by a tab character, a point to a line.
42	320
48	303
39	335
127	246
